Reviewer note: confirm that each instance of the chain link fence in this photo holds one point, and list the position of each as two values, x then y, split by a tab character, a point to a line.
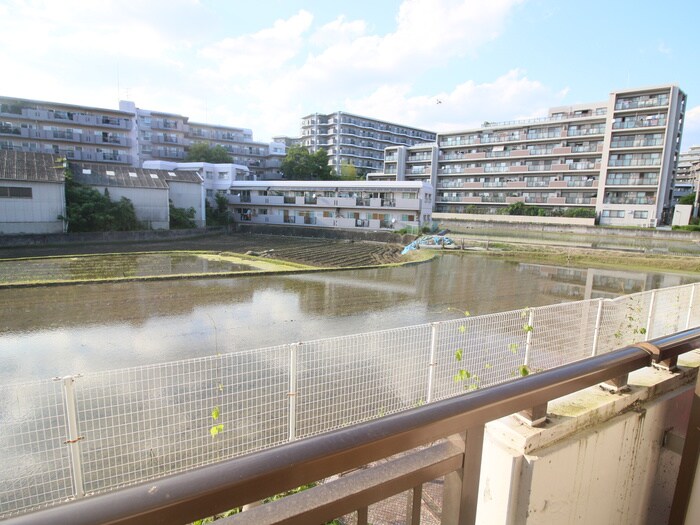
70	437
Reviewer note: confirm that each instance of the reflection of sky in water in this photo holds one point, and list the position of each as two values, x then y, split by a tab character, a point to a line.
63	330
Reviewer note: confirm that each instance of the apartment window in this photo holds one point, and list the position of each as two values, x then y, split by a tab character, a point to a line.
210	193
614	214
641	214
223	175
408	218
13	192
209	175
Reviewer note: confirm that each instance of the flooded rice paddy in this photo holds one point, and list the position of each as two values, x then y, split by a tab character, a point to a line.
49	331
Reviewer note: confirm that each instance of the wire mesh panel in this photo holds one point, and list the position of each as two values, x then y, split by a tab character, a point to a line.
476	352
350	379
669	311
35	459
560	334
693	314
624	321
142	423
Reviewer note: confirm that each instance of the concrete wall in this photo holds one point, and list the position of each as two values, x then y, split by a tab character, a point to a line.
598	459
513	219
36	215
459	224
7	241
188	195
150	204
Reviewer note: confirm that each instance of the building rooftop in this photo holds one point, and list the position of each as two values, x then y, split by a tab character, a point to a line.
30	167
128	177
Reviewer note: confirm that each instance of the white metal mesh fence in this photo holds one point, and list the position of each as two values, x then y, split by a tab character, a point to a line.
61	439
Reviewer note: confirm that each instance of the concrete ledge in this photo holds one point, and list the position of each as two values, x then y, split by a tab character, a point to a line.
599	458
592	406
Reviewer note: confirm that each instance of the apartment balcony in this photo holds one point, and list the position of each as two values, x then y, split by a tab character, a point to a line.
658	101
632	182
585	132
641	143
581	200
643	201
646	122
626	163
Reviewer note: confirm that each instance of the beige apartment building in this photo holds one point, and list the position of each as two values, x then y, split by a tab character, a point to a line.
129	136
616	158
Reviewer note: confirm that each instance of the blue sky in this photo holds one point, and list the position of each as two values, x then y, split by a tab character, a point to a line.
265	64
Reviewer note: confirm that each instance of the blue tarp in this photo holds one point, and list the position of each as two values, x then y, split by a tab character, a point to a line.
428	241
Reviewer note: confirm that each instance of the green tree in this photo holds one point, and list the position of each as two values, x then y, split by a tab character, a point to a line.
203	152
218	215
88	210
348	171
299	164
687	199
181	218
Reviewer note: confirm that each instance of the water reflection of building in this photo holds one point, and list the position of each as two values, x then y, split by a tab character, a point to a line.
594	283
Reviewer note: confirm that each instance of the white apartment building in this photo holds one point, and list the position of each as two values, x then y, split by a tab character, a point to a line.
355	140
218	178
615	158
129	136
333	204
687	174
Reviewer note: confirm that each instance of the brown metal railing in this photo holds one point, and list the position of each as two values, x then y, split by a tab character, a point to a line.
450	433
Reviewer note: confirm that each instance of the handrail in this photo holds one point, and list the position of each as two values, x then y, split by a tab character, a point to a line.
182	498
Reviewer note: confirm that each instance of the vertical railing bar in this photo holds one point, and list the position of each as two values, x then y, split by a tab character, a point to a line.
596	330
362	516
292	394
650	317
74	437
461	488
431	361
687	471
690	306
414	503
528	340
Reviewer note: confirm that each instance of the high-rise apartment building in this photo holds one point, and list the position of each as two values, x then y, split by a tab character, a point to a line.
687	174
355	140
128	136
617	159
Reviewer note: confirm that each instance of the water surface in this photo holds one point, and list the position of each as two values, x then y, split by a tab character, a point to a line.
54	331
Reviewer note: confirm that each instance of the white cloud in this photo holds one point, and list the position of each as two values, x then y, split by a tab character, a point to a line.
355	65
509	97
691	128
261	52
338	31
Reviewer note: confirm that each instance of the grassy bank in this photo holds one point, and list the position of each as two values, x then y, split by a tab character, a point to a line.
583	258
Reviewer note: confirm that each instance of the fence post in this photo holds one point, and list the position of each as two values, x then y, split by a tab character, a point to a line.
650	318
292	394
596	330
528	340
73	439
690	306
431	361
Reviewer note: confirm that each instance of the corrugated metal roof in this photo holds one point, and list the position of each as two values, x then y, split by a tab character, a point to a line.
30	167
118	176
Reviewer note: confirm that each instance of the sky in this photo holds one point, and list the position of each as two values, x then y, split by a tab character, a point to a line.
440	65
